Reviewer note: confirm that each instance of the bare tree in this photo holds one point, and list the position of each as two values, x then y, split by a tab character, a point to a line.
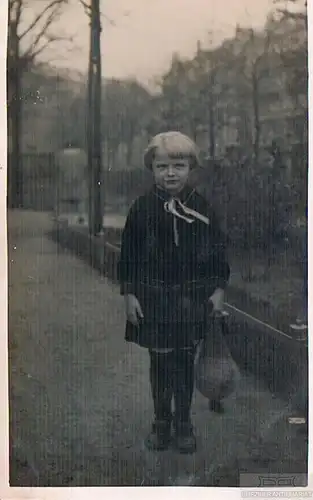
292	19
193	93
292	9
253	63
213	89
206	71
25	43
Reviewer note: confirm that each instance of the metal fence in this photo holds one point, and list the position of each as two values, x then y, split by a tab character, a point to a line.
39	179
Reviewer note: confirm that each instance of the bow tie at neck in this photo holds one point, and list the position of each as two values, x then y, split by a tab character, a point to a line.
180	210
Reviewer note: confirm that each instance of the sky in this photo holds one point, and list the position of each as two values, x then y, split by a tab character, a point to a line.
147	32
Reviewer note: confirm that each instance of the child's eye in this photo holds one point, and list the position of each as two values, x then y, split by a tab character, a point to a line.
162	165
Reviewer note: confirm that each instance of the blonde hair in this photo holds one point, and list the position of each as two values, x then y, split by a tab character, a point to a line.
175	145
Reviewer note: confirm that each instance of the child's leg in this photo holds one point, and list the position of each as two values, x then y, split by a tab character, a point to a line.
162	393
183	382
161	383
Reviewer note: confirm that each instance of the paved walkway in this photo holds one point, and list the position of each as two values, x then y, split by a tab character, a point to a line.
80	402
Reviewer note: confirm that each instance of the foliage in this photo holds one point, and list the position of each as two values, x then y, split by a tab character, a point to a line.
123	114
244	102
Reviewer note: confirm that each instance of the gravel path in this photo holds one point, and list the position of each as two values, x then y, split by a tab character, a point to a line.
80	401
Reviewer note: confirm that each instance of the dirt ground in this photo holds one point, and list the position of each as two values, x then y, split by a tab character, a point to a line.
79	395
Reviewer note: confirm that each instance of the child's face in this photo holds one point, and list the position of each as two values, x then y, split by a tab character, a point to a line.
170	173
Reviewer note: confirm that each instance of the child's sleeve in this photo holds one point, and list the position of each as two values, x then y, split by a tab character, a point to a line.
128	267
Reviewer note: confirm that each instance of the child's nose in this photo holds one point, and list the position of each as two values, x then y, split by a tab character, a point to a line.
170	170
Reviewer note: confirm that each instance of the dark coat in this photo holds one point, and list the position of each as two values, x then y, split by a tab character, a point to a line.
172	280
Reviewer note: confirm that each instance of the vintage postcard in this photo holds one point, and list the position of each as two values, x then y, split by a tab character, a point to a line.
155	173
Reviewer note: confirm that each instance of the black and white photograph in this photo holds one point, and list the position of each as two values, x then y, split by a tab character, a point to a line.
157	245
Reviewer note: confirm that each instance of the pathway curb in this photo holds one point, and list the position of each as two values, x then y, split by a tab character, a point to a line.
268	351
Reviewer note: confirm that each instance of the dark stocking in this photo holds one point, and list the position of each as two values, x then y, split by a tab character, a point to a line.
183	383
161	384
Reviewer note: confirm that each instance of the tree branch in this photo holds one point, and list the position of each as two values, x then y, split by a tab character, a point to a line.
19	11
43	33
31	54
54	5
17	5
258	59
292	15
87	8
10	9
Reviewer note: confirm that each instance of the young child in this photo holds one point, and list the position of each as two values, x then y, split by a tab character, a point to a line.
172	263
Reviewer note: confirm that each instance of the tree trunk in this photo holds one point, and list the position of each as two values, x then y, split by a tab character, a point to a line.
211	129
211	105
14	128
129	152
94	123
195	132
90	119
15	183
113	153
256	117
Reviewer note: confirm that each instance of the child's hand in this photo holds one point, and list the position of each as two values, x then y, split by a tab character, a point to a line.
133	309
218	299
